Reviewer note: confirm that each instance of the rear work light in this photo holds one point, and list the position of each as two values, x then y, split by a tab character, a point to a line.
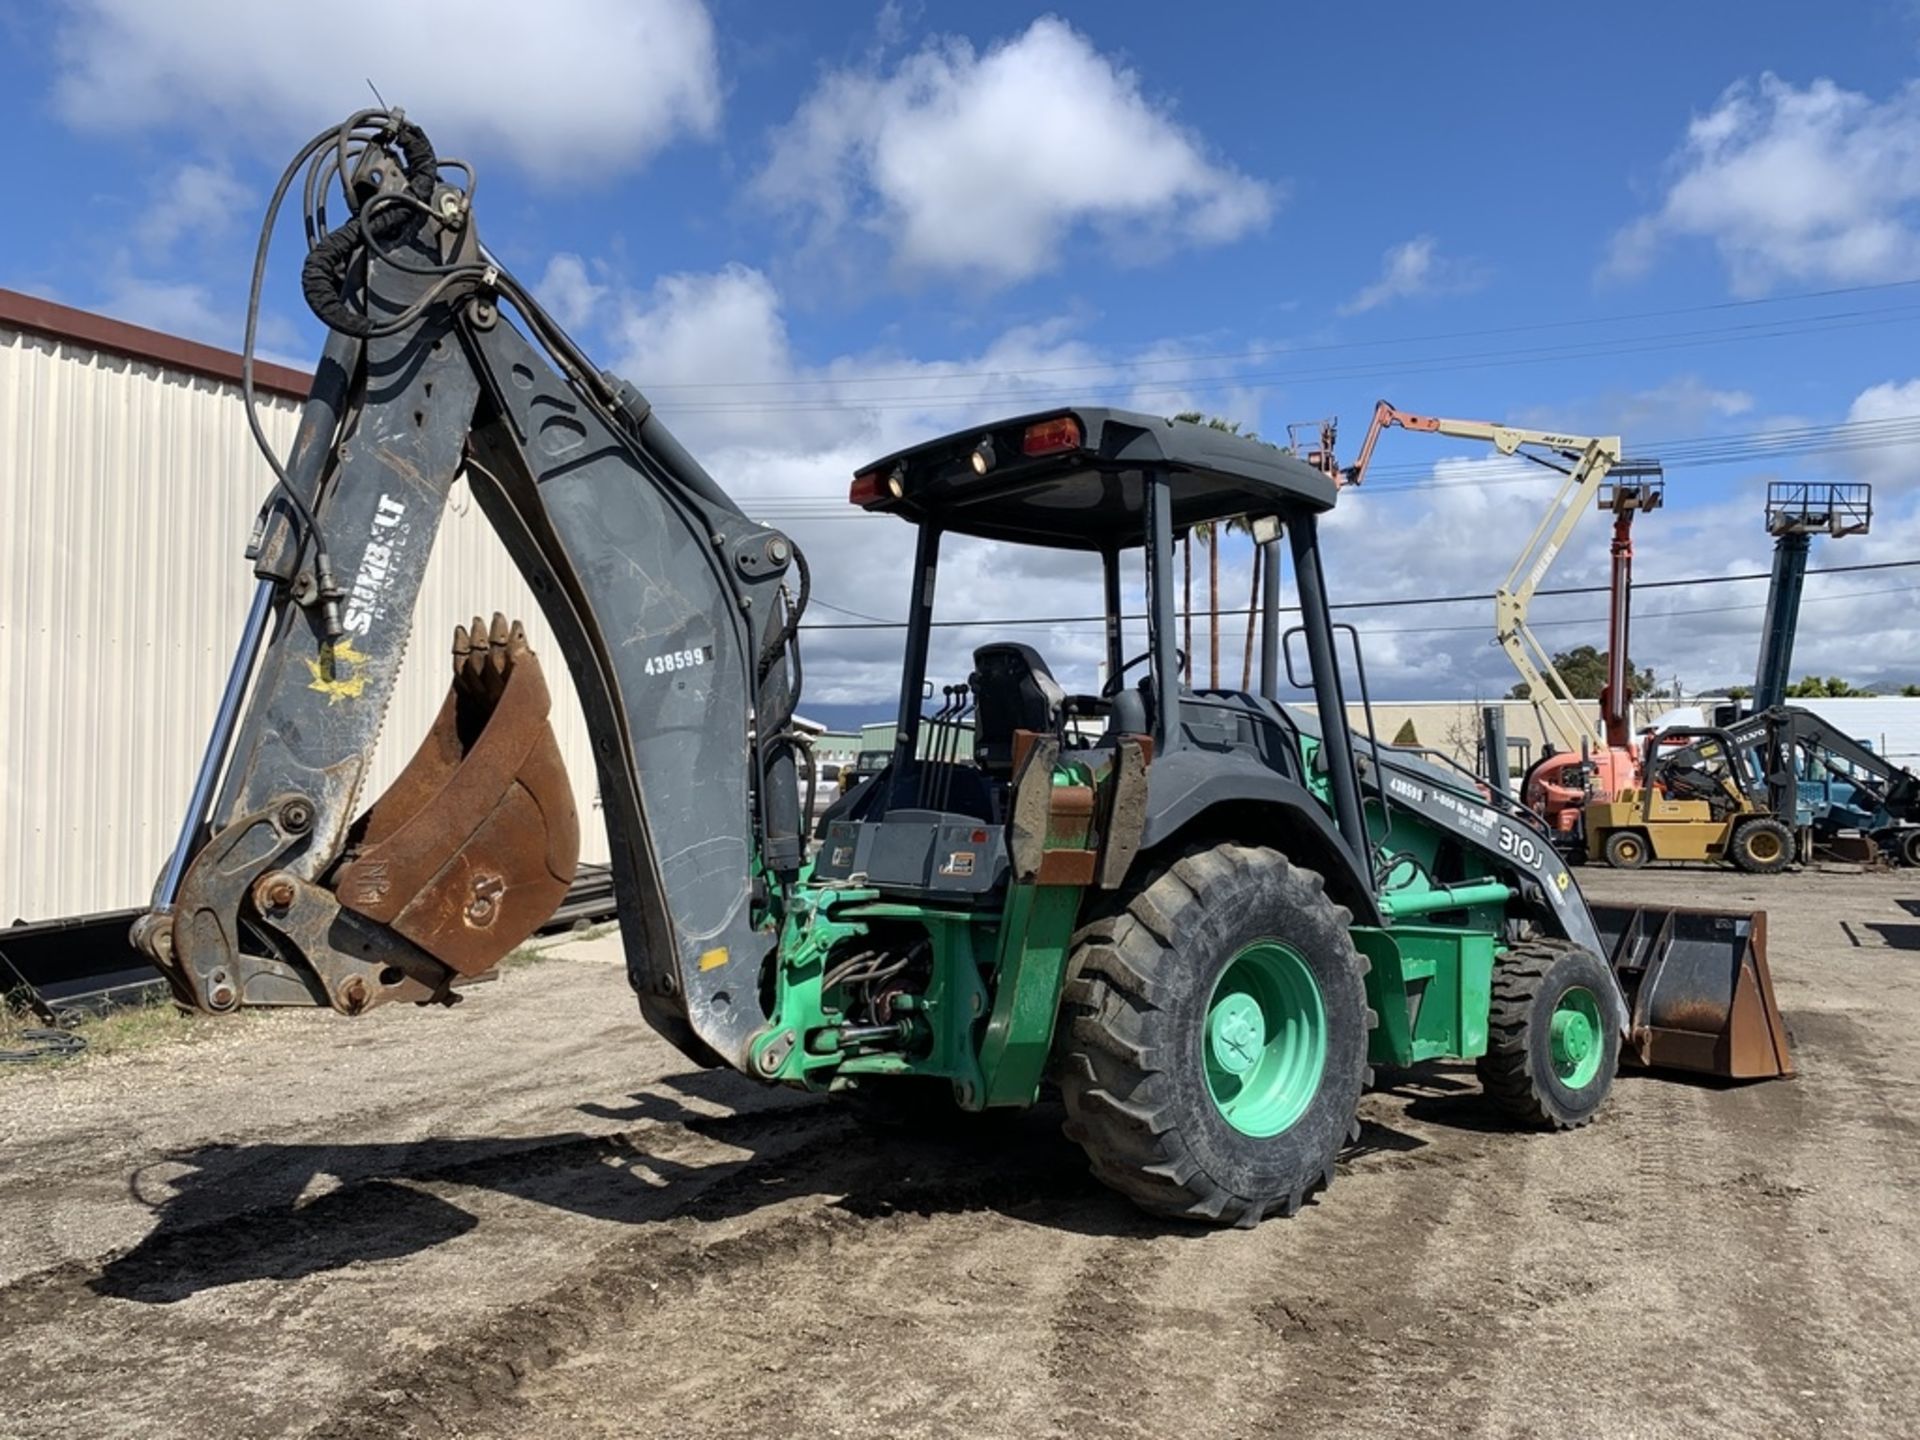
870	487
1050	437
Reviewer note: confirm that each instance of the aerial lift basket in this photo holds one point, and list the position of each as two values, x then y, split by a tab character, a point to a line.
1699	994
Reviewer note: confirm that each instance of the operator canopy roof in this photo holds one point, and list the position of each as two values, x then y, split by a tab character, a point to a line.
1075	479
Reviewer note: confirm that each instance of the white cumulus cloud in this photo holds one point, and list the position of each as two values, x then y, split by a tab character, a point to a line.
195	200
1805	185
1893	464
1416	270
564	88
784	436
569	291
983	163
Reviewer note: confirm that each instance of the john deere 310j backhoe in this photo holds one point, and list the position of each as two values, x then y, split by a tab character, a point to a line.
1203	915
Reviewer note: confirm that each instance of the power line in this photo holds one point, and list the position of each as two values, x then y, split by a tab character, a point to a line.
1439	364
1398	602
1638	620
1269	352
1236	633
1838	437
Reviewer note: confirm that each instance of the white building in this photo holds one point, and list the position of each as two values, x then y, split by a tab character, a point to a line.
128	486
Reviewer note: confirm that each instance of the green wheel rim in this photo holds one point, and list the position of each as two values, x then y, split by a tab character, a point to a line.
1577	1039
1265	1043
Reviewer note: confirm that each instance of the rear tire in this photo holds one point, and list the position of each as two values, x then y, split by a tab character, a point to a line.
1762	846
1906	846
1627	850
1213	1042
1553	1034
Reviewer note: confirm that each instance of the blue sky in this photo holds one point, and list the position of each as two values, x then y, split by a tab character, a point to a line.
814	233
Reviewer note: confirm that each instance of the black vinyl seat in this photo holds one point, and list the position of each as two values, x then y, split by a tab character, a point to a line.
1012	690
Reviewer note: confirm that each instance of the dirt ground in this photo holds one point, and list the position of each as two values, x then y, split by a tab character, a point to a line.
529	1218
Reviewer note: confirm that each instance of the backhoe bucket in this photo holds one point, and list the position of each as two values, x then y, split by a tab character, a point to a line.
1698	990
473	847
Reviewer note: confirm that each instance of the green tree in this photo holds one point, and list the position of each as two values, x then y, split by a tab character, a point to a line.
1813	687
1910	692
1584	668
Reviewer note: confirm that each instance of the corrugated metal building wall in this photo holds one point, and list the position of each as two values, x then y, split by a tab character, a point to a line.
128	487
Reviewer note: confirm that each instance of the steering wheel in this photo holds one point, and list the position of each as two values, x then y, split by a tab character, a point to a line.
1116	680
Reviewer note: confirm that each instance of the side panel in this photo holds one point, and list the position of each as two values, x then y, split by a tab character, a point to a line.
1431	986
1513	846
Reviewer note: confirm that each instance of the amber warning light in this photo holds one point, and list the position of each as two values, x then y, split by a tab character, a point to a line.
1050	437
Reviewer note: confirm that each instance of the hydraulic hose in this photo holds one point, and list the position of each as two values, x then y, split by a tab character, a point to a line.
323	277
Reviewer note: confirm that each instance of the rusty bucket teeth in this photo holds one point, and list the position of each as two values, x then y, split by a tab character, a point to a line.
474	845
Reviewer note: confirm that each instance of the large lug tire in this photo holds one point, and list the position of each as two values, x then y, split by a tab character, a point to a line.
1213	1038
1628	850
1553	1034
1905	845
1761	846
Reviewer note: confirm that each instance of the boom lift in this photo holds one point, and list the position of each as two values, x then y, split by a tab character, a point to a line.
1797	510
1588	763
1203	916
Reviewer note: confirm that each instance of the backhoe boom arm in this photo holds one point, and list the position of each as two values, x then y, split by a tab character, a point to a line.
675	612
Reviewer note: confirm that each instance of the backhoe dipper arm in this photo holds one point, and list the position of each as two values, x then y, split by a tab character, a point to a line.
674	612
1584	461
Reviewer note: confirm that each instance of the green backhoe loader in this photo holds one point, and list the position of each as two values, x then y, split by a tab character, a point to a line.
1205	915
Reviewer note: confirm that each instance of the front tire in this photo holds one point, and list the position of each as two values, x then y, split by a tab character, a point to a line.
1553	1034
1761	847
1214	1038
1627	850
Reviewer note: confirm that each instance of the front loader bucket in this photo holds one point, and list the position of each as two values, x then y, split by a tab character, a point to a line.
1699	994
475	844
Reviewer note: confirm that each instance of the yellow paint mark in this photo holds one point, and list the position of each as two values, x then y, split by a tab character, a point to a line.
714	959
340	673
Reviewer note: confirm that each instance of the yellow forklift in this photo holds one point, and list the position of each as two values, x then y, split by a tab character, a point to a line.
1703	797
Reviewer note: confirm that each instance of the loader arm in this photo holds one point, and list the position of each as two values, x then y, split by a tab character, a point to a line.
1583	461
676	615
1894	788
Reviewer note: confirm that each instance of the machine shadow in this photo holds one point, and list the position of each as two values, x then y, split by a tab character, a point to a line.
234	1213
1444	1092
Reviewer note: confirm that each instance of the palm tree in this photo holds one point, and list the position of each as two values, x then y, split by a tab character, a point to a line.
1205	533
1186	590
1243	526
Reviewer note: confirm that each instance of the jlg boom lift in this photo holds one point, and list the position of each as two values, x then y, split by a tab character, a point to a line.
1204	924
1588	763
